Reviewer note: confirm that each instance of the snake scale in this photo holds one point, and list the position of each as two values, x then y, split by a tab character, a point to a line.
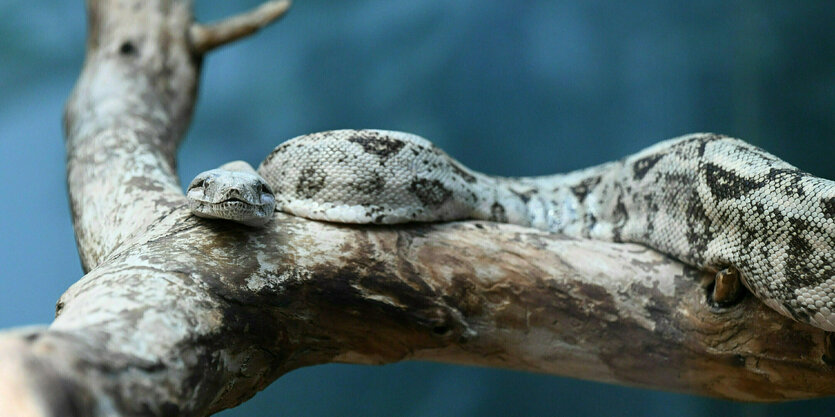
711	201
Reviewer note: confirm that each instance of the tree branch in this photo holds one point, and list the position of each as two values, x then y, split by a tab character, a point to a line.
124	120
183	316
207	37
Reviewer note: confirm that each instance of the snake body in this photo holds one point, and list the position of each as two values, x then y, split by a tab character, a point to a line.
709	200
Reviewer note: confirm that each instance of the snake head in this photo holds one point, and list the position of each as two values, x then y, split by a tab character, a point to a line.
237	195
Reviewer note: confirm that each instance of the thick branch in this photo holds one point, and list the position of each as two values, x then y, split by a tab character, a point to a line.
236	308
184	316
124	119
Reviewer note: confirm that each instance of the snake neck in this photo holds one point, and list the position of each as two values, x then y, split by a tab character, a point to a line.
583	203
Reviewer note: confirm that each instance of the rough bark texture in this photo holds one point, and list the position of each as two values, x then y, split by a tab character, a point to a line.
183	316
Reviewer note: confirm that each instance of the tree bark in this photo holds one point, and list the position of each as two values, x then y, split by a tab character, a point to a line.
183	316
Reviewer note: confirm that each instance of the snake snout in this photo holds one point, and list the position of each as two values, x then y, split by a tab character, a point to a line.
239	193
236	193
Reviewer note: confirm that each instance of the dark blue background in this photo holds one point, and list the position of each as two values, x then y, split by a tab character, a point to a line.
507	87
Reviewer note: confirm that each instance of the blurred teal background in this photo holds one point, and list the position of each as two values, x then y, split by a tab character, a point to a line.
507	87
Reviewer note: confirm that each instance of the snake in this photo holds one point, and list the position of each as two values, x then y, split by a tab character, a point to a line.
711	201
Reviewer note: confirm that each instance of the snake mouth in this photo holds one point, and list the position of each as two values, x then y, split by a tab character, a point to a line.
235	200
238	202
236	205
228	204
230	209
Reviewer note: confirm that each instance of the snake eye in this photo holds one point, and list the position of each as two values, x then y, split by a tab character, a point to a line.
198	184
264	189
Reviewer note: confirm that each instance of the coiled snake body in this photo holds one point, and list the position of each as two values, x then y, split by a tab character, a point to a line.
711	201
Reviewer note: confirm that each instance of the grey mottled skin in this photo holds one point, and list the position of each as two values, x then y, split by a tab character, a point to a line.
708	200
